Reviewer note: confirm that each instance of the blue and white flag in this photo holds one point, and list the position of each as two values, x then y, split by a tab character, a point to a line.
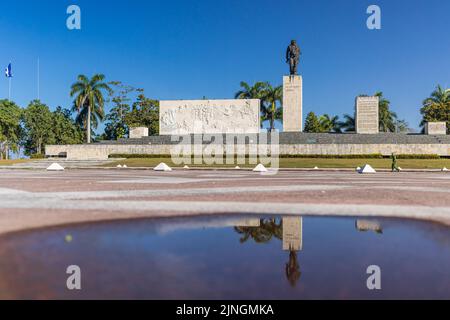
8	71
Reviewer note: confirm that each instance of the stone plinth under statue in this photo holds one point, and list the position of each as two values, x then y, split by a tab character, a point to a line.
178	117
292	103
367	115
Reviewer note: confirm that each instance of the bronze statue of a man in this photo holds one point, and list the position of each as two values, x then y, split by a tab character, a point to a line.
293	57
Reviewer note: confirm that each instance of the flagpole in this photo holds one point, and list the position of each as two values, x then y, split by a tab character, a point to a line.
9	91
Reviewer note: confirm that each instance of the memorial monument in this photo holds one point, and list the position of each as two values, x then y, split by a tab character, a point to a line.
241	117
367	115
293	92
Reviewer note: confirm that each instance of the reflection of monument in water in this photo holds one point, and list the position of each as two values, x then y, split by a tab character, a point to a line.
292	233
368	225
287	229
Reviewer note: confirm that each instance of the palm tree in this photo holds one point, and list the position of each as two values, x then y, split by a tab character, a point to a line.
329	124
388	118
348	125
272	96
254	92
258	234
89	100
437	107
401	126
251	92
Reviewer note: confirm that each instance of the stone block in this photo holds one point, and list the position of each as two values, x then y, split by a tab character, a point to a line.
139	132
367	115
436	128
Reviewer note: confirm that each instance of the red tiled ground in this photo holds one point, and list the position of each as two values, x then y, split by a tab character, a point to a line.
31	199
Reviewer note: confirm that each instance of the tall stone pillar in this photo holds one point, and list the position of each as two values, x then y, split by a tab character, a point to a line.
292	103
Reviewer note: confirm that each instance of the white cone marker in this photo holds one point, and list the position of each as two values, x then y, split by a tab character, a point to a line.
162	167
367	169
260	168
55	167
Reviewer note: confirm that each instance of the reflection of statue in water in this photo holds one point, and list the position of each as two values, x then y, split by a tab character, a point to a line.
273	228
293	57
293	268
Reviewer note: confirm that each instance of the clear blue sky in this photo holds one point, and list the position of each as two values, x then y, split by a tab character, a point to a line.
185	49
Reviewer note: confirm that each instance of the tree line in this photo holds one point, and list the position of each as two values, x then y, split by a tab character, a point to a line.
27	130
388	120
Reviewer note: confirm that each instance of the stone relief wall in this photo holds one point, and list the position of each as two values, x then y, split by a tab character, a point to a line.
209	116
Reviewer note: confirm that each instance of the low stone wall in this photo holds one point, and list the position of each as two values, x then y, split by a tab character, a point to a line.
102	151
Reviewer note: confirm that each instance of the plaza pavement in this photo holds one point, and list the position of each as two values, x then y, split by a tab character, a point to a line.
37	198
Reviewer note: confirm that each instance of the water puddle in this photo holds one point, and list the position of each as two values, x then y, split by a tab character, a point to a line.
230	258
